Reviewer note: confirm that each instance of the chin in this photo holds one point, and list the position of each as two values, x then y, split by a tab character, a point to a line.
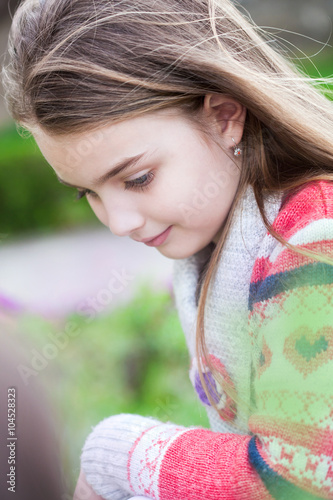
178	253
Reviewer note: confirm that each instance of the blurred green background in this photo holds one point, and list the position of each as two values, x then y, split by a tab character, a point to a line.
131	360
30	196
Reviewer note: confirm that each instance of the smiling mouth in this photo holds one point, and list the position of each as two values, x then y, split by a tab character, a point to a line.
157	240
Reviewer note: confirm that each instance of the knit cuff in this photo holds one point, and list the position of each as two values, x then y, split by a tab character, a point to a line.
118	454
105	454
147	455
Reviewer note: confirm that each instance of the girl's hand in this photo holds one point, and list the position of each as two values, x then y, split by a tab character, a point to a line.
84	491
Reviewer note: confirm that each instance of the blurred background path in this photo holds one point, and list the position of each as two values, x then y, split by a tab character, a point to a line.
68	271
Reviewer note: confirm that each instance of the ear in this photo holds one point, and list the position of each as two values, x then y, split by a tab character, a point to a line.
226	116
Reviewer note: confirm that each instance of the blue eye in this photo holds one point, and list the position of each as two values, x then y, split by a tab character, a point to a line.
140	182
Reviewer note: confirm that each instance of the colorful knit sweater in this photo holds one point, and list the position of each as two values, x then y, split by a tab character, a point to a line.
280	359
269	331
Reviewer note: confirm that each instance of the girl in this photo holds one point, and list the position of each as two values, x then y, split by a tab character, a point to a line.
189	132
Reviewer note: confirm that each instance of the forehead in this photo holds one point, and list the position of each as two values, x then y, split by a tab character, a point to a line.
110	143
113	129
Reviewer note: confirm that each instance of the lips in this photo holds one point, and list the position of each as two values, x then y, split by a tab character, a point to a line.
157	240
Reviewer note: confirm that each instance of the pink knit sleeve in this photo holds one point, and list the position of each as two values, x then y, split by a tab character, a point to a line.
193	464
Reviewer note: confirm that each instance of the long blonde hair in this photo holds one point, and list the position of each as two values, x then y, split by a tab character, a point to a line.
74	65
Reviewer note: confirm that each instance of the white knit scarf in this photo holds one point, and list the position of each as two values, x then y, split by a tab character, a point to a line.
226	309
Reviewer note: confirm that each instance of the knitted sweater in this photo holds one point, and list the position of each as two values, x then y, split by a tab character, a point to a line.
276	349
269	332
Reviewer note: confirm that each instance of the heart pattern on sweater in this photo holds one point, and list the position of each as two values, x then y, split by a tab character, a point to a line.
308	350
265	358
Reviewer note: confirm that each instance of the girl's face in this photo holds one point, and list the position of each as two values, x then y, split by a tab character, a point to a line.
155	178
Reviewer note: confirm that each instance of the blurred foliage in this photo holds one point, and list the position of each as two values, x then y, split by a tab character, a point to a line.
131	360
319	66
30	195
32	199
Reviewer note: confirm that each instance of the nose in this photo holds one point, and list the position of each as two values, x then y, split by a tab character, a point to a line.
122	216
124	222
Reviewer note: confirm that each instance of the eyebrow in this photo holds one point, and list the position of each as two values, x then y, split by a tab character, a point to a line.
116	170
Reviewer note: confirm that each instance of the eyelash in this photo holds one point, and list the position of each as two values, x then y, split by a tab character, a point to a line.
81	193
134	184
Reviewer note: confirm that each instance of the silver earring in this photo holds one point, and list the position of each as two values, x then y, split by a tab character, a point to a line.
237	150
